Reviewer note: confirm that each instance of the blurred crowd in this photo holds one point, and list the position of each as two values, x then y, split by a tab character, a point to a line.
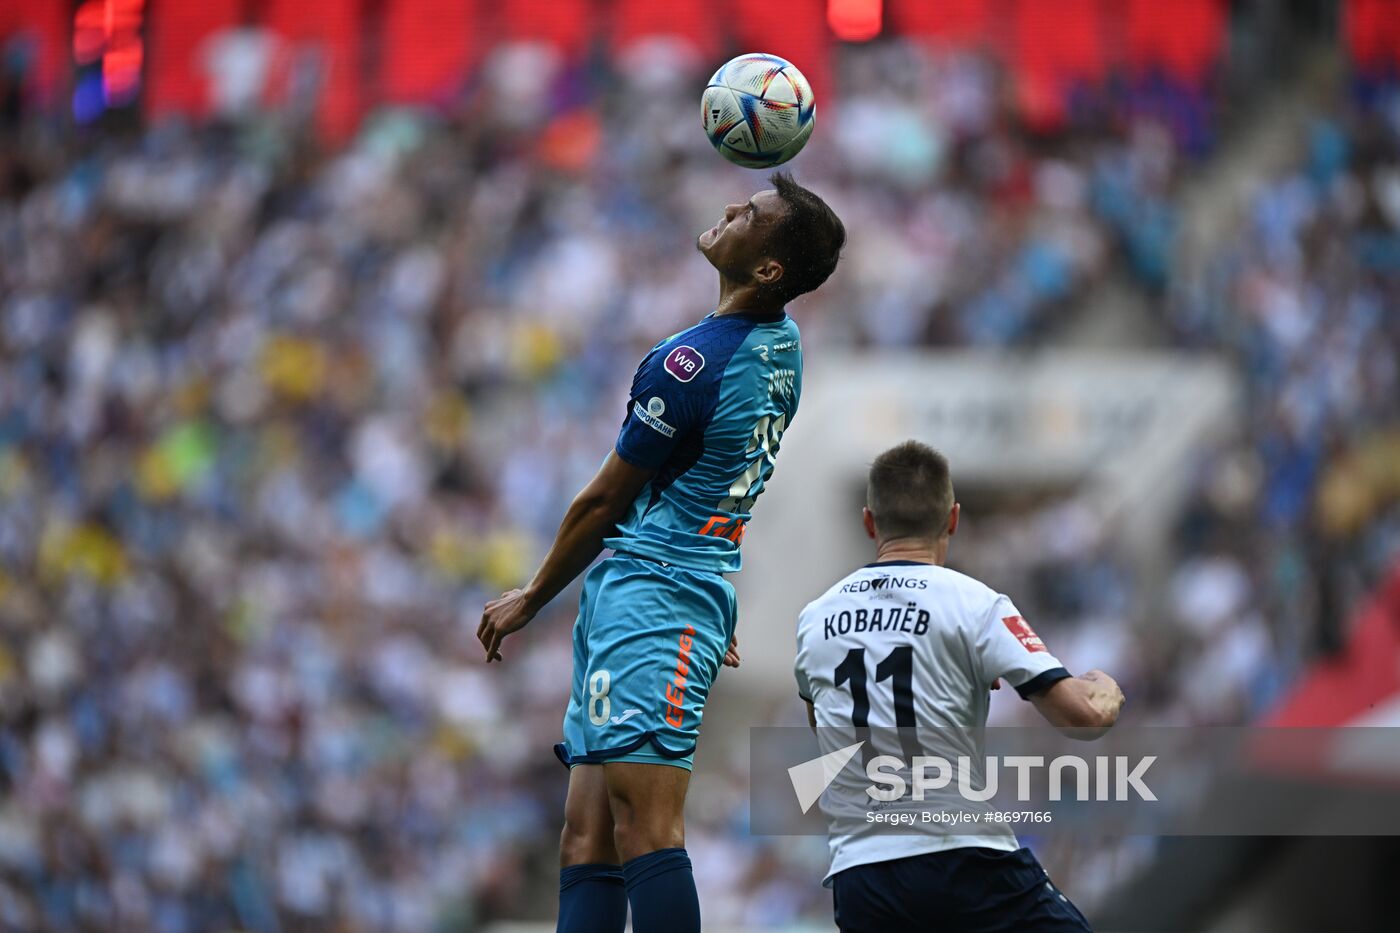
1297	521
275	422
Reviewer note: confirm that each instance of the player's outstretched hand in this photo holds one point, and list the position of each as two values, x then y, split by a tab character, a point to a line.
502	616
731	657
1112	694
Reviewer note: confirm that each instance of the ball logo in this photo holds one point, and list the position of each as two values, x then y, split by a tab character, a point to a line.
1024	633
685	363
656	407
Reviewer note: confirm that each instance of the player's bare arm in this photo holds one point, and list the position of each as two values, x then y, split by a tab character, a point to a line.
1086	706
592	515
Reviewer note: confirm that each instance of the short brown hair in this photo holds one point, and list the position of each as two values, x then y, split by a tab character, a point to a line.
910	491
807	241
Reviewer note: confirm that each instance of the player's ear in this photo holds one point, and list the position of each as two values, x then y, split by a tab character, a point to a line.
768	272
868	518
953	519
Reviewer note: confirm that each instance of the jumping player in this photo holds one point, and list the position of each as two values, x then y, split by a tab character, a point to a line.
855	672
704	420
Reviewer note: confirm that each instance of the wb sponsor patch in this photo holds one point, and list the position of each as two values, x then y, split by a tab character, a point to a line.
651	421
685	363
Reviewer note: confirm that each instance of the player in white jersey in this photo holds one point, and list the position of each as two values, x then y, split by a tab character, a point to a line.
905	642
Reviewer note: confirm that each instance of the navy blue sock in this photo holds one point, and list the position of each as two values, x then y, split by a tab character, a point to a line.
591	899
661	889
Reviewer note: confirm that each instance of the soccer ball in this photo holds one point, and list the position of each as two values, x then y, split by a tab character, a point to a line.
758	110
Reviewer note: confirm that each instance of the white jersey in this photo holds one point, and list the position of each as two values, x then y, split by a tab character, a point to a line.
915	644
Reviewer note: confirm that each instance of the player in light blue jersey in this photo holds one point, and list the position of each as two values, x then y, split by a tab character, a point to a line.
705	416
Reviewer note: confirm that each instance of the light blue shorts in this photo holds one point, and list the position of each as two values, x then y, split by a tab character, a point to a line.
649	641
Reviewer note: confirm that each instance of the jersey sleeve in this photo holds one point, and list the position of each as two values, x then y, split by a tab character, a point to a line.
804	684
1008	647
671	396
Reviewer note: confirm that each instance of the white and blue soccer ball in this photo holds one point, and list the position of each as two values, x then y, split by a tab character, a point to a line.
758	110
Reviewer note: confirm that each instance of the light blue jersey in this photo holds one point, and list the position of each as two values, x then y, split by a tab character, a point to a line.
707	411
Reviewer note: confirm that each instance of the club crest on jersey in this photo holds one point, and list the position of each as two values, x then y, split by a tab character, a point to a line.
1024	633
685	363
646	417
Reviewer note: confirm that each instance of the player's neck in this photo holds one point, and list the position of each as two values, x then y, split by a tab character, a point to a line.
743	299
920	552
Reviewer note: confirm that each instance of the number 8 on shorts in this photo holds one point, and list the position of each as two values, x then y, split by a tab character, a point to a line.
599	706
